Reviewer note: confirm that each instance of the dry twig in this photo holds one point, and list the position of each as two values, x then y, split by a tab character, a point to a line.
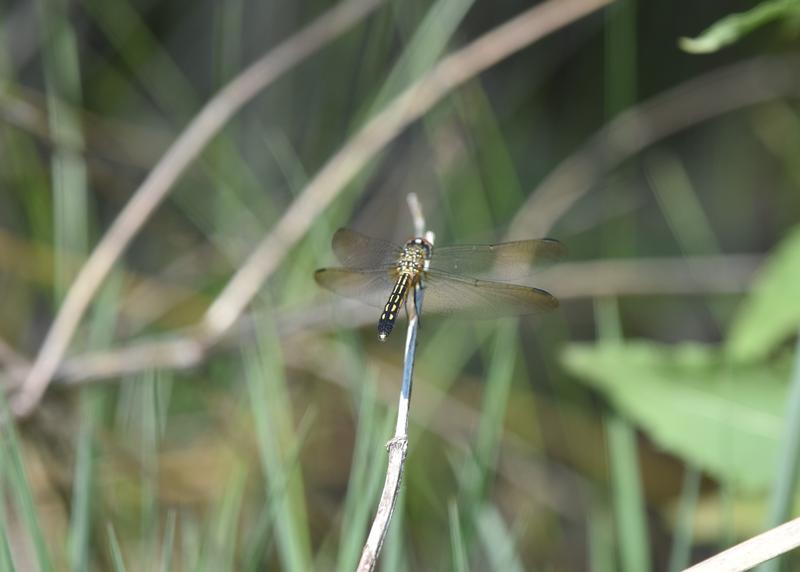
754	551
398	446
698	275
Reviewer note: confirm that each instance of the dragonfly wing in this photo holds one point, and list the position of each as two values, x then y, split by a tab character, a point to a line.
371	287
504	261
457	295
356	250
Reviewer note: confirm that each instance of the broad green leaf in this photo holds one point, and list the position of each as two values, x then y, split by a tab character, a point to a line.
772	312
725	420
732	28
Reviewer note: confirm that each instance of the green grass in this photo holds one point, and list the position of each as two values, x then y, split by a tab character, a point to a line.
785	489
116	554
680	553
271	411
254	460
16	484
457	540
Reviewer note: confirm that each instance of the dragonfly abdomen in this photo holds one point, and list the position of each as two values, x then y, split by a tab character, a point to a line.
392	307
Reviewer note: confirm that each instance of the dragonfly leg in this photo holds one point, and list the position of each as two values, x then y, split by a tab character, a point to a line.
415	298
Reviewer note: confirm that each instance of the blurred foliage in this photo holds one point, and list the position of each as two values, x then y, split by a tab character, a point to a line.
731	29
535	443
771	314
690	401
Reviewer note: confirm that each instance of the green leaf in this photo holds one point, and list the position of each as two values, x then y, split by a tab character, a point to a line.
732	28
772	312
725	420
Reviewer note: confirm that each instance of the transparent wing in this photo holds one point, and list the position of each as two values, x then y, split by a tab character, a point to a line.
504	261
456	295
356	250
371	287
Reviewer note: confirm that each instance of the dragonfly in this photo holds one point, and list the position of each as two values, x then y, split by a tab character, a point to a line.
468	279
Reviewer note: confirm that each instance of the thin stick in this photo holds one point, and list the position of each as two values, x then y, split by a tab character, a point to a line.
158	183
416	214
398	446
698	275
753	551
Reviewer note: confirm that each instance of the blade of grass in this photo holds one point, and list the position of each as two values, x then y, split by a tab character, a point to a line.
423	49
499	377
137	427
90	406
27	173
785	489
366	471
80	516
601	537
628	499
680	204
68	177
687	219
457	545
168	543
475	470
147	421
6	560
620	57
466	209
259	542
496	168
228	37
498	541
680	553
317	243
19	489
271	410
116	553
683	211
221	544
190	542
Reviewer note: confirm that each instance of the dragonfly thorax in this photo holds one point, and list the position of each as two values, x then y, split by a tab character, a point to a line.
415	257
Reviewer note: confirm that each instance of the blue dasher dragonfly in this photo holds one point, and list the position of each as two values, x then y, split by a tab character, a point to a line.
467	279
